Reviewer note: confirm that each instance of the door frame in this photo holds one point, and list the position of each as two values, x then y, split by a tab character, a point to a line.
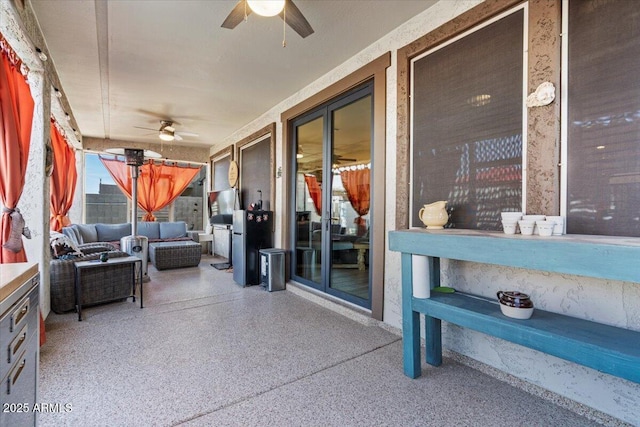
375	70
326	112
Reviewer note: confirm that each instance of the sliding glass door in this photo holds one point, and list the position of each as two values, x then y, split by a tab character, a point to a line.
332	197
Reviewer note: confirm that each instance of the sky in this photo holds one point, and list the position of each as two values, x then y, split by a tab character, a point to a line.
95	172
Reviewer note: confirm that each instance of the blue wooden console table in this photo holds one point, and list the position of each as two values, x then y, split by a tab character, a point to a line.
608	349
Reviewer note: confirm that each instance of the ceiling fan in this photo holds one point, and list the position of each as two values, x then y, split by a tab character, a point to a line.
167	131
338	158
287	10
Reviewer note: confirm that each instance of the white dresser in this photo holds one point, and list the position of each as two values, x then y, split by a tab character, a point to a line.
19	343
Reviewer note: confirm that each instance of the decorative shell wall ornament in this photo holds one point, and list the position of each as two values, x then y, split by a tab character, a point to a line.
544	95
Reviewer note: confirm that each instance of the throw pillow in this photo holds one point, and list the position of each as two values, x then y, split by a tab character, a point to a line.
62	245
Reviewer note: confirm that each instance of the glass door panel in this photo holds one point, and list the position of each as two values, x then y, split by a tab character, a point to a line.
351	129
332	145
309	137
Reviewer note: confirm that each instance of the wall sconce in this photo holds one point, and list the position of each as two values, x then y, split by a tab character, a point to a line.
41	54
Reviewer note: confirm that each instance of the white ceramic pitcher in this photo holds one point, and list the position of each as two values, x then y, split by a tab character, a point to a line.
434	215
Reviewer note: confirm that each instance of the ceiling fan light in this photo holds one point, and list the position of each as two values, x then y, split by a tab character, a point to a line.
166	135
266	7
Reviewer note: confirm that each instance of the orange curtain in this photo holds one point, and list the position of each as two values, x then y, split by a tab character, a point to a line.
16	114
315	191
63	180
357	184
158	184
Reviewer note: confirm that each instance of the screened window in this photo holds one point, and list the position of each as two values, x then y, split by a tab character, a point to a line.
105	202
467	125
603	126
221	173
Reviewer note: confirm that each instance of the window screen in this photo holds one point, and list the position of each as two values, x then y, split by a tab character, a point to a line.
467	126
603	127
255	174
221	174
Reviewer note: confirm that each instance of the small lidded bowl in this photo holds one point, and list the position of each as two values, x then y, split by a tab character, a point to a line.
515	304
526	227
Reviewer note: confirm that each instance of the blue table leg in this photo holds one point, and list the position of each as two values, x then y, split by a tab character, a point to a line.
433	329
410	322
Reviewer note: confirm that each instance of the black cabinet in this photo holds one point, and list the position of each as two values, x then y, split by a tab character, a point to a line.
252	231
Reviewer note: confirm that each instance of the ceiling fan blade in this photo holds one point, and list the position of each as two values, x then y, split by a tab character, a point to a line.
237	15
296	20
188	134
138	127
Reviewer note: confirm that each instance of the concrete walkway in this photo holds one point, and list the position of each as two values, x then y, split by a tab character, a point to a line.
206	352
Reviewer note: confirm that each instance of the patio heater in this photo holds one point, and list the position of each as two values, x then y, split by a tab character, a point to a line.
135	245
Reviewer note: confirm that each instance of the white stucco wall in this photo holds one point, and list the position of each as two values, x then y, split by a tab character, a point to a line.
615	303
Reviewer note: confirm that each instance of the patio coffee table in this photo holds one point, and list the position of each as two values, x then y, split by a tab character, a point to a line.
177	254
103	268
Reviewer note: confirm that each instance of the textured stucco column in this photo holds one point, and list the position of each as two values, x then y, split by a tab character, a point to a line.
76	212
34	203
543	127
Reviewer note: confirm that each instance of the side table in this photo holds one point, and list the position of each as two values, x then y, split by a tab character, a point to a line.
136	276
207	237
361	247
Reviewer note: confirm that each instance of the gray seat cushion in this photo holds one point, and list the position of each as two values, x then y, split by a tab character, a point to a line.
151	230
172	230
112	232
88	232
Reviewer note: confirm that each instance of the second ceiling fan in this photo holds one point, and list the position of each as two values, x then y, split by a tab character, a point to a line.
287	10
167	131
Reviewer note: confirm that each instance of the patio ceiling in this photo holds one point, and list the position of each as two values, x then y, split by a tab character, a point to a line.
129	64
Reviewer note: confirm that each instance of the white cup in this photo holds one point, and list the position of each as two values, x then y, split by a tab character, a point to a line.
545	228
558	228
526	226
534	218
509	227
510	216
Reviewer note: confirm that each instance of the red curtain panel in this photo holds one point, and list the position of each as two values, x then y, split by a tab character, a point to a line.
357	183
16	115
158	184
315	191
63	180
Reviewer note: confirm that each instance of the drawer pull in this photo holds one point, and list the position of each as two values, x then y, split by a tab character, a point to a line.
15	375
19	315
17	342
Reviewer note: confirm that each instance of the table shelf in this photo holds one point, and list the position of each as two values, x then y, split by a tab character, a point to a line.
609	349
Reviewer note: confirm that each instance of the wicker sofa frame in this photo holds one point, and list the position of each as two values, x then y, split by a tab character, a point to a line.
98	288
